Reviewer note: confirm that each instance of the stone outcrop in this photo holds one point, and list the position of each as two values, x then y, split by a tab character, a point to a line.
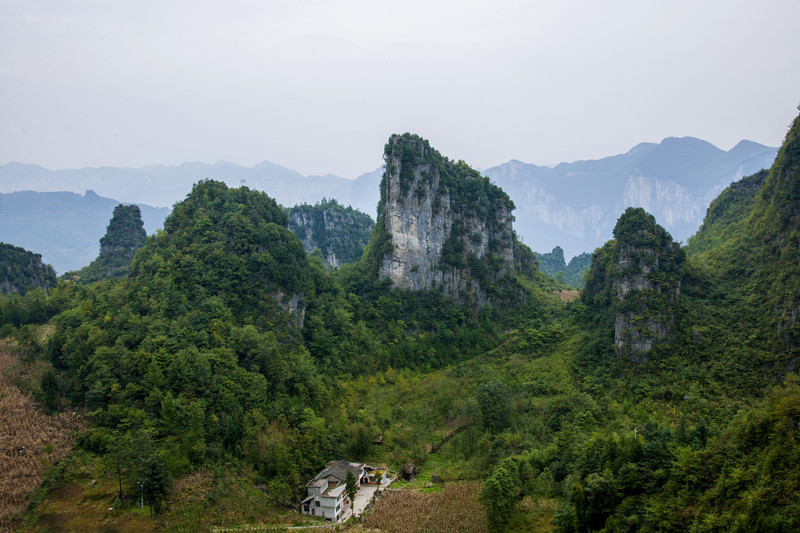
340	233
645	284
124	236
442	225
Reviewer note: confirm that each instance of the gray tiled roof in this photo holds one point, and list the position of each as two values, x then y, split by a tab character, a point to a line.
338	470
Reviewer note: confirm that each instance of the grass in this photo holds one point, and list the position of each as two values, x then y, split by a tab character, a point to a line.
82	498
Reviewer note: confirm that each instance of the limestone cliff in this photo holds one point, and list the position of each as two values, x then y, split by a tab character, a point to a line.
340	233
646	285
441	225
634	282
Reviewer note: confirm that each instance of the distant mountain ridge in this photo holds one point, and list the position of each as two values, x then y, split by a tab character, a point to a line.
162	185
572	205
63	227
575	205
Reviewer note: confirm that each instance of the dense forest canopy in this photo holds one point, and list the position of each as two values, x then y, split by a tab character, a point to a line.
229	349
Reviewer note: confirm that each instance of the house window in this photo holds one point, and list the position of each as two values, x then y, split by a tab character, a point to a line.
316	503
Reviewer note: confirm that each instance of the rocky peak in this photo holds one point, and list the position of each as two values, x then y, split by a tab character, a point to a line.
125	231
442	225
645	283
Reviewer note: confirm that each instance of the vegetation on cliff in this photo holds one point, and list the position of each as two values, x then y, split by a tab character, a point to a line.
340	233
124	236
553	264
21	270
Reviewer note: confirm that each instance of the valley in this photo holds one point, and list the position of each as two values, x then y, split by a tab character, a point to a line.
223	365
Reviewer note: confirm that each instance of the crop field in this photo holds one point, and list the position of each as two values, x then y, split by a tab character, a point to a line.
30	441
456	508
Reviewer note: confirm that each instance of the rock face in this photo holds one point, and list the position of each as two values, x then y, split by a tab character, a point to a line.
645	284
21	270
340	233
442	225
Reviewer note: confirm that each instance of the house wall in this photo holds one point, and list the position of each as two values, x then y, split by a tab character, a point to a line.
329	505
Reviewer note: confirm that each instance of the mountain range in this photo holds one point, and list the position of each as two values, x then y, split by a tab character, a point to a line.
575	205
572	205
64	227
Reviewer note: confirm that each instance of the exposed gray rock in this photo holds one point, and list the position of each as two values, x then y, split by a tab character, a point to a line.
645	284
449	228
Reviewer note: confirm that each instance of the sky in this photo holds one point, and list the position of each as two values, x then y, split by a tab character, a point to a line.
319	86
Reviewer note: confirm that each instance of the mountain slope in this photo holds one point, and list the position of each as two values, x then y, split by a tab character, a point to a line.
339	233
21	270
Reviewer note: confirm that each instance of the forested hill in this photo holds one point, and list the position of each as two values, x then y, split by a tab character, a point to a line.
230	365
340	233
554	265
21	270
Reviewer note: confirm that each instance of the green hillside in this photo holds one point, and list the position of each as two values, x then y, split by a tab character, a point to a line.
21	270
230	366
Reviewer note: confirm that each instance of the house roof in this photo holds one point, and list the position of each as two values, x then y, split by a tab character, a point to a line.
338	471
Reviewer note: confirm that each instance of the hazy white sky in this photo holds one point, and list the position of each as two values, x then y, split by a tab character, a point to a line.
318	86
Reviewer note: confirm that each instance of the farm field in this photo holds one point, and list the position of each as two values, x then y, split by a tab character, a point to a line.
30	440
456	508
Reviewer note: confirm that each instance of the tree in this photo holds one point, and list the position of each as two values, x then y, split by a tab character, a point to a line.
350	486
118	459
495	401
50	390
155	482
499	494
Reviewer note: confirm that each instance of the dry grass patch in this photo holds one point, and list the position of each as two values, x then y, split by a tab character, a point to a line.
567	295
456	508
30	441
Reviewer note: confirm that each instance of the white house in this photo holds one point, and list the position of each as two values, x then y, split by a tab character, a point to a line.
326	492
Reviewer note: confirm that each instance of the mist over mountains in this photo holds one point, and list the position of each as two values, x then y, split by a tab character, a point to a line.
572	205
64	227
162	185
575	205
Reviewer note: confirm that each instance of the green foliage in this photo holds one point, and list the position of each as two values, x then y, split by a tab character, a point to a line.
154	481
51	390
194	362
500	493
221	248
337	231
124	236
350	485
552	264
21	270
